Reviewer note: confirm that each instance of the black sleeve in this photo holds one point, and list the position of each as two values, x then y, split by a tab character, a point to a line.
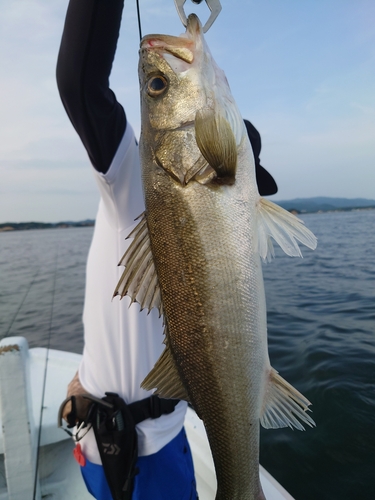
84	64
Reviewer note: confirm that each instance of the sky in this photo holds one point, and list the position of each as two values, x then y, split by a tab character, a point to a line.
302	71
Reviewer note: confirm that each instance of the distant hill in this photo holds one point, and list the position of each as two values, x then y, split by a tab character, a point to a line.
23	226
325	204
299	205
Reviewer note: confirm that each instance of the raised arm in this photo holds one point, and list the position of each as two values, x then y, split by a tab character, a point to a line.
84	64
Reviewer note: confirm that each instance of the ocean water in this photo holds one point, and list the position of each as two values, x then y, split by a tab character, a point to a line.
321	320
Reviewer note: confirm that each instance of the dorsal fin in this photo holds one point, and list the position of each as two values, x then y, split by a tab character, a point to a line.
139	280
165	378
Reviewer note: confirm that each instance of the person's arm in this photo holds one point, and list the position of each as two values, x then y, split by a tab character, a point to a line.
84	64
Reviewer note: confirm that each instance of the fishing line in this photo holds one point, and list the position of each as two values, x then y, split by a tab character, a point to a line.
22	302
45	374
139	21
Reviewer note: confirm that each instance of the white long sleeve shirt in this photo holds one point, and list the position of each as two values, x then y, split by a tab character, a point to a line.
122	344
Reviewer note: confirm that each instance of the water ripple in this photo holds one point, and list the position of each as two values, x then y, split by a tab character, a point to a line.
321	322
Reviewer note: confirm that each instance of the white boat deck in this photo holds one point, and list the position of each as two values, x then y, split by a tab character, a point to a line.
59	474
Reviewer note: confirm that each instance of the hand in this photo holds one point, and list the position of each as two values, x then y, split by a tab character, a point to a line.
76	389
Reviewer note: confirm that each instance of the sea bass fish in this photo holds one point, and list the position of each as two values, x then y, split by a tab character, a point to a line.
196	255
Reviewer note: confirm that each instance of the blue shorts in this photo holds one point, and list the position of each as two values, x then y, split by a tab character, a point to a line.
167	474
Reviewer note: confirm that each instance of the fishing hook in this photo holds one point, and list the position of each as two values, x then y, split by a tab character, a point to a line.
213	5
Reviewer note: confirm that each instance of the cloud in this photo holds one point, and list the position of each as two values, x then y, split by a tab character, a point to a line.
50	207
47	191
302	74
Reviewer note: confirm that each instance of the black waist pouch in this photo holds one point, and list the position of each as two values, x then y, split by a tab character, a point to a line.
116	439
114	424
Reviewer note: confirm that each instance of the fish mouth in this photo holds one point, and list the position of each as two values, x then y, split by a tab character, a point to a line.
179	47
182	46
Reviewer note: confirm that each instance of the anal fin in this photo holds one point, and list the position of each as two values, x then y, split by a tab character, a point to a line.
283	405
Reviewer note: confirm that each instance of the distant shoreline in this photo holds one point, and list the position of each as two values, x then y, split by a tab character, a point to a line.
322	211
27	226
319	204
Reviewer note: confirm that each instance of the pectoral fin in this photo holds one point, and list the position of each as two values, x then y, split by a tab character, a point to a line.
286	229
205	175
217	144
165	378
139	280
283	405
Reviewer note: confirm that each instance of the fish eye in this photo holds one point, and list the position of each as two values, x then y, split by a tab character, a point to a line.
156	85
